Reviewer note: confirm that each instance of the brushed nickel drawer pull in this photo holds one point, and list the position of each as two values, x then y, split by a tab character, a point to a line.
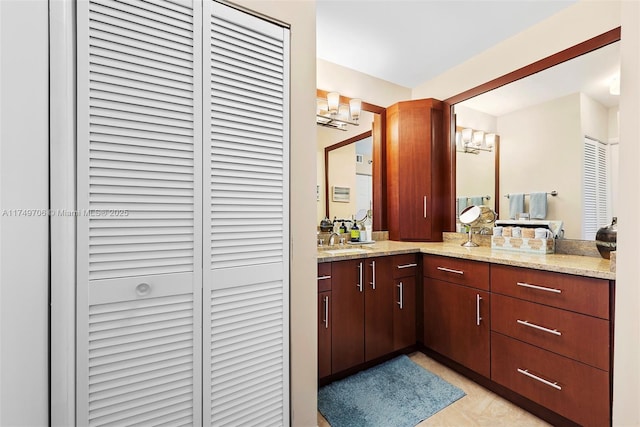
324	277
541	328
373	275
450	270
400	301
540	288
537	378
326	312
408	265
359	285
478	318
425	206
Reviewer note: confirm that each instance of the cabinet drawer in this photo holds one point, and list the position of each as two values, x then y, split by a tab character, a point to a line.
572	389
581	294
570	334
324	276
456	270
404	265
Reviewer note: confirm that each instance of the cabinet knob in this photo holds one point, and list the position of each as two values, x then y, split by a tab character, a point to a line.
143	289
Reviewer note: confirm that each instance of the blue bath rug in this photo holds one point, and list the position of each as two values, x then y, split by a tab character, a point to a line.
396	393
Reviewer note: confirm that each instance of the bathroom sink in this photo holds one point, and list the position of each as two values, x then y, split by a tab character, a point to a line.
345	251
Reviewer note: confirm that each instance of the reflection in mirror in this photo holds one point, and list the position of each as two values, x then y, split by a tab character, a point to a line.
349	166
558	132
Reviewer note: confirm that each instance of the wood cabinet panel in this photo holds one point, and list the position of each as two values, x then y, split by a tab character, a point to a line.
404	312
378	308
324	276
572	389
580	294
405	265
456	323
347	334
580	337
416	170
324	334
456	270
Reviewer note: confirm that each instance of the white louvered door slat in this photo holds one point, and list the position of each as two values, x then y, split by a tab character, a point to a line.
246	257
140	213
595	187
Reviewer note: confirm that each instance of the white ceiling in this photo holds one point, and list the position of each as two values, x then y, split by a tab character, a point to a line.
411	42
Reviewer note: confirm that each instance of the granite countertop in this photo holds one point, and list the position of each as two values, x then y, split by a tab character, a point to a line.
571	264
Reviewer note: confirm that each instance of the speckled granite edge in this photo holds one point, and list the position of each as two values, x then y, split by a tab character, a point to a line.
561	263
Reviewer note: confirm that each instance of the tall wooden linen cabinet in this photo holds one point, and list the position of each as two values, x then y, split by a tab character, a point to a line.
417	165
183	253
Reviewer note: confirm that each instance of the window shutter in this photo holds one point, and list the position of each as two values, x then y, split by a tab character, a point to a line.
595	187
246	257
139	127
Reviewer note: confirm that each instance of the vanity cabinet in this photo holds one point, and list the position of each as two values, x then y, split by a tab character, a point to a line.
415	170
551	341
347	337
366	310
324	319
456	310
404	270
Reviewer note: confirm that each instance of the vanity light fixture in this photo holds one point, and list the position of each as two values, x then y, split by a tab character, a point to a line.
473	141
331	113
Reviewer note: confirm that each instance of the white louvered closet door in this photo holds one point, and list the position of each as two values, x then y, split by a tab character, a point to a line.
139	311
246	251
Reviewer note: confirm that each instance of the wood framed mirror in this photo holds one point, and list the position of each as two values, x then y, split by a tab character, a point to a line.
562	57
376	131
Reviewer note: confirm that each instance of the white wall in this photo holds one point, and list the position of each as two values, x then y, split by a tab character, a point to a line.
23	239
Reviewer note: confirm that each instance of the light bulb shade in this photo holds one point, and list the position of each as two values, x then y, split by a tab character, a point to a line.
321	106
355	106
333	101
478	138
467	135
490	140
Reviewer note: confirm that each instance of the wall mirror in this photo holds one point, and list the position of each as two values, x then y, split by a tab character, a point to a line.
347	171
557	127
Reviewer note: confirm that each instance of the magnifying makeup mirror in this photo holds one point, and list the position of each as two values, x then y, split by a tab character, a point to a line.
474	216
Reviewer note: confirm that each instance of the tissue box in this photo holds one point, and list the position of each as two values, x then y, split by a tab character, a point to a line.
524	244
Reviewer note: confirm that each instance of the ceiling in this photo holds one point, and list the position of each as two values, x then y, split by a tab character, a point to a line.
411	42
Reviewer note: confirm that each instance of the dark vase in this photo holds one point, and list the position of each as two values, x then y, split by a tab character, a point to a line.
606	238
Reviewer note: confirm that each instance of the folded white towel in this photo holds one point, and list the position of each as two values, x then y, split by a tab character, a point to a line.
538	205
516	205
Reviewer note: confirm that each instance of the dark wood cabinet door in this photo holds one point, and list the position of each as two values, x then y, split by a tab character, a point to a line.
404	312
416	170
456	323
378	308
347	332
324	334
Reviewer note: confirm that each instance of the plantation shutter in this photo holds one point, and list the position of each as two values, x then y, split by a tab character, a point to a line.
595	188
138	194
246	256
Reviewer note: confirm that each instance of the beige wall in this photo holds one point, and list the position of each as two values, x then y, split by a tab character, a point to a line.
475	173
342	173
626	373
541	150
301	16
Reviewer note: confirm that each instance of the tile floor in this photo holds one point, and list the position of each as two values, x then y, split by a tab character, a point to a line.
480	407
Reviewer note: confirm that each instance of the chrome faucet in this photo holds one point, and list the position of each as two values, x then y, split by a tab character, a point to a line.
331	241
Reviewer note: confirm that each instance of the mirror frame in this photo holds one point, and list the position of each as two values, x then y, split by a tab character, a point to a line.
572	52
378	133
